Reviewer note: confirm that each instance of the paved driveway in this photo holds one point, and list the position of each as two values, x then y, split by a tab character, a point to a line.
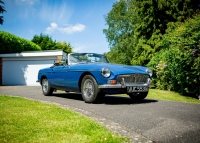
159	121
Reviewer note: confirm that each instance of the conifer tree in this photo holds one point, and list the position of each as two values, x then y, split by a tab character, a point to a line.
2	10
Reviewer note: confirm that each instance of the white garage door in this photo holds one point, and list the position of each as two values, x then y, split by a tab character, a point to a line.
23	72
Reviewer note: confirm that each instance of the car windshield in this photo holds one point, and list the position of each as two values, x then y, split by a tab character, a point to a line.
81	58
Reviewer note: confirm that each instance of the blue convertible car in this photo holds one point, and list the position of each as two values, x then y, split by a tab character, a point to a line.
93	76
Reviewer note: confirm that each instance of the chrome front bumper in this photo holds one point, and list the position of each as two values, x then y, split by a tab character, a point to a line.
120	85
123	84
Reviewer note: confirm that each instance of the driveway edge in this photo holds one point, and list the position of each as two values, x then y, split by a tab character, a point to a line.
112	126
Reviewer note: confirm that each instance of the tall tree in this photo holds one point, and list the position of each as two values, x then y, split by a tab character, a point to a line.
2	10
120	33
46	43
156	14
135	27
64	46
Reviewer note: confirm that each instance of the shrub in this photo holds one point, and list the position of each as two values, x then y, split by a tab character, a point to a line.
177	65
10	43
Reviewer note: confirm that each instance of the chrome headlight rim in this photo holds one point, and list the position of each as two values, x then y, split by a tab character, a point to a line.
105	72
149	71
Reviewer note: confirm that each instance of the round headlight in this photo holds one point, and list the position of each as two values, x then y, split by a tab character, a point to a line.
105	72
149	71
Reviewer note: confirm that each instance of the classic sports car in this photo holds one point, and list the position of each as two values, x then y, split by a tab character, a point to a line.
93	76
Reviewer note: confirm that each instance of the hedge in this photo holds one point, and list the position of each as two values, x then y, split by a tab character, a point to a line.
177	65
9	43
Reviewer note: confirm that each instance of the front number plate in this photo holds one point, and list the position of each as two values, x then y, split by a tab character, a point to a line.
131	89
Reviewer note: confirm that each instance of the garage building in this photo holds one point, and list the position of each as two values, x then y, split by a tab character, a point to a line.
22	68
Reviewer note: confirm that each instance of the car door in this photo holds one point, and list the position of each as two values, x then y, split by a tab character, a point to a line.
59	74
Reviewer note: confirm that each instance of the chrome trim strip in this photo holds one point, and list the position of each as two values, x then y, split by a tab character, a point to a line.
110	86
120	86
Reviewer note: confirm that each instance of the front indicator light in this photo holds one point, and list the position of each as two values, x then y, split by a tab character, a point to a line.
149	81
112	82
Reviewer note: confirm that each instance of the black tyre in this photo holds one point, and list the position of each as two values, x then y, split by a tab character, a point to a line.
89	89
138	96
46	89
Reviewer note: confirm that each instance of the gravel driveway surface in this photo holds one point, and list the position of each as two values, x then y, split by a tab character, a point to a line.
149	121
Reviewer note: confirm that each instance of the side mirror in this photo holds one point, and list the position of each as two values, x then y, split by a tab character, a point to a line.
58	63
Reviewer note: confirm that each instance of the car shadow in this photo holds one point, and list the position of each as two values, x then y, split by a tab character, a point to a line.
115	100
74	96
107	100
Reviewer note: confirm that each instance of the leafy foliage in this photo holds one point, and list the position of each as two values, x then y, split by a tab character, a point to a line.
64	46
135	27
177	65
156	14
120	35
164	33
2	10
46	43
10	43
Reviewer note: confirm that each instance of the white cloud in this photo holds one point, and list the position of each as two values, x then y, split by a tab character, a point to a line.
59	12
45	10
78	49
73	28
54	25
69	29
31	2
89	47
52	28
22	8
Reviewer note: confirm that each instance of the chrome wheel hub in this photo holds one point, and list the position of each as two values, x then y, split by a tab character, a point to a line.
45	85
88	88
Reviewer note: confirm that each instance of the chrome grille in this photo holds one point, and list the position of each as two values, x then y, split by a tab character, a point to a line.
133	78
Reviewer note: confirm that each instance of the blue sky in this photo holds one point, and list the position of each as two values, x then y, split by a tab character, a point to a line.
78	22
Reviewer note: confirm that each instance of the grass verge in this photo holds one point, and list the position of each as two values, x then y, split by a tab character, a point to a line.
170	96
27	121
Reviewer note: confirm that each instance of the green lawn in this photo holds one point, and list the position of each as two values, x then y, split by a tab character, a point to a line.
23	120
170	96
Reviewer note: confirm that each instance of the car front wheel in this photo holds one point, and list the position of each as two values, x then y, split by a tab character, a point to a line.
46	89
138	96
89	89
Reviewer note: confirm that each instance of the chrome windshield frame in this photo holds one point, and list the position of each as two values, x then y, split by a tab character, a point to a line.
104	58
